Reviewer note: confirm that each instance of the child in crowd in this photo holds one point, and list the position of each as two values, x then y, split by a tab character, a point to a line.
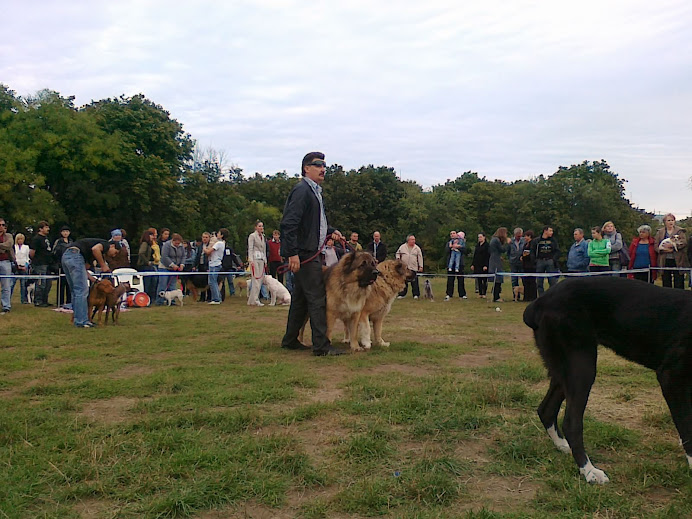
457	243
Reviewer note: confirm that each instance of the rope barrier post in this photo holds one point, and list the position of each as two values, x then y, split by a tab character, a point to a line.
57	298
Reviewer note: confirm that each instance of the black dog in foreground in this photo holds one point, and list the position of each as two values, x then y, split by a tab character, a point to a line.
640	322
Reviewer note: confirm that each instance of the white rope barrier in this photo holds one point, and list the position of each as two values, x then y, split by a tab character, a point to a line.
123	274
159	273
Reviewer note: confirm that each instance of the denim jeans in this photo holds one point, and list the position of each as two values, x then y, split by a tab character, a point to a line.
166	284
75	273
545	265
42	285
454	260
6	284
515	268
214	283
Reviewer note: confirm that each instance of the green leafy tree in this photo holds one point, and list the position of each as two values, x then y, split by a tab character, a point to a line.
146	179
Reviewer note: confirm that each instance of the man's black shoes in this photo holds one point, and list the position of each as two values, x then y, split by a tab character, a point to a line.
293	346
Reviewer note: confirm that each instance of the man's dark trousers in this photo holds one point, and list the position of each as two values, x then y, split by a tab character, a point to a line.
309	298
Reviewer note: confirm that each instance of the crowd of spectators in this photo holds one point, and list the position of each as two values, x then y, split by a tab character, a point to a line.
664	254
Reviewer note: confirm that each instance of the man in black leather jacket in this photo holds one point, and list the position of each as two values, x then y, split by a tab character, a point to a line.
304	230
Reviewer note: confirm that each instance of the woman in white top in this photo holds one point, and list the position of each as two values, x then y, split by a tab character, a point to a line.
257	257
215	253
21	254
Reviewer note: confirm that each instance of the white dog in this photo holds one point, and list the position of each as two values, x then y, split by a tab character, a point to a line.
172	295
278	292
670	244
30	288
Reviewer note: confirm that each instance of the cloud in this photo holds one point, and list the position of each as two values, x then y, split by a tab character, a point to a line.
434	89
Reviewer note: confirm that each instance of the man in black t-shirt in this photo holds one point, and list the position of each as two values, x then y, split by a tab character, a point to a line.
76	261
546	251
41	254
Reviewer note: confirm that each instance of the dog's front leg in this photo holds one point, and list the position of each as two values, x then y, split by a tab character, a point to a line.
331	319
377	328
364	331
352	327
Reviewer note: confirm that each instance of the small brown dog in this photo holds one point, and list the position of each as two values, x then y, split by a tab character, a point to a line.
98	294
113	302
518	291
240	284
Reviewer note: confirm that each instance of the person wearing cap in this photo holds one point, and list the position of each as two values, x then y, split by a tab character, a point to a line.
304	230
41	254
59	247
120	236
77	259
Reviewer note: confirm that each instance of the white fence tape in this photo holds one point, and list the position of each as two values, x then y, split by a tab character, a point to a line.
420	274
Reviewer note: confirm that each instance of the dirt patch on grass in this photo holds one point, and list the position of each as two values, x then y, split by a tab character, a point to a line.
323	395
131	371
474	450
626	408
404	369
480	358
500	494
252	510
92	508
111	411
319	437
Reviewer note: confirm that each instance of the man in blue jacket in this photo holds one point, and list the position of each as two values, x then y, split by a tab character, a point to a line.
304	231
578	256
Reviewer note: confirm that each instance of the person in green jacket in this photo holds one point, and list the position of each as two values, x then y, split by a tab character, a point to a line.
599	251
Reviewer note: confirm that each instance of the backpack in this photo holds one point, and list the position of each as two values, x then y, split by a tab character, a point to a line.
624	255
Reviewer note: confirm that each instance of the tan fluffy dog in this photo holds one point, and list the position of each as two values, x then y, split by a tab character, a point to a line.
348	285
517	291
391	281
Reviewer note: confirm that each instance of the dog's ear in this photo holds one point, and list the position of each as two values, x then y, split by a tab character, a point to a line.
349	260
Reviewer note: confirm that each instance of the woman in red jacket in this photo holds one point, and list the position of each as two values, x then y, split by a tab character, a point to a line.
643	254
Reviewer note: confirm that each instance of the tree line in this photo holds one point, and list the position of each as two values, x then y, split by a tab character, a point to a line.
124	162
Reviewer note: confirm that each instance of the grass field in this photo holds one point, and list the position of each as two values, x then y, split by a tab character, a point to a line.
197	412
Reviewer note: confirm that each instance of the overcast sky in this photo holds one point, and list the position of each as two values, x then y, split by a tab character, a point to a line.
432	88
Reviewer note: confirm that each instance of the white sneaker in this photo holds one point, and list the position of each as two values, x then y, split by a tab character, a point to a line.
415	298
399	297
464	297
447	298
214	302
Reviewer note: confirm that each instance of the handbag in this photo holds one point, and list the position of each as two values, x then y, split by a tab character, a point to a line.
624	255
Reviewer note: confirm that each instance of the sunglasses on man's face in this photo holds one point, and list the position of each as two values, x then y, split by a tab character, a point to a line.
318	163
3	224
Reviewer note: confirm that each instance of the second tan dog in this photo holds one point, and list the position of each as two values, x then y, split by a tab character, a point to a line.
391	281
